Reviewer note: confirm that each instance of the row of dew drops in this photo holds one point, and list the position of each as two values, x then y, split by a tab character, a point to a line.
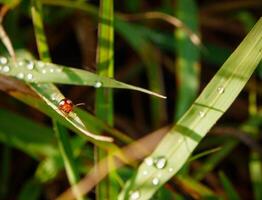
30	65
161	162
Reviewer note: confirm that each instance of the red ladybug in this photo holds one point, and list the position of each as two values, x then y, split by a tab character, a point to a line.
66	105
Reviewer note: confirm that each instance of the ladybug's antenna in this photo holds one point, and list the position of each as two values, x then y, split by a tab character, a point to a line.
79	104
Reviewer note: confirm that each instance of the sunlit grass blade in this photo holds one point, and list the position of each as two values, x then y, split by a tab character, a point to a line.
174	150
33	71
106	189
229	189
187	60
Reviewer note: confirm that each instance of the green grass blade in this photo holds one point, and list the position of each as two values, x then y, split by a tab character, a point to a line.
187	61
68	158
32	71
149	56
213	160
174	150
31	190
41	42
106	189
255	167
21	135
230	190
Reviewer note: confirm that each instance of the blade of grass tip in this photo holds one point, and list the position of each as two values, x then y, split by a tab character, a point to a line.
229	189
61	132
175	148
107	188
150	57
187	57
68	158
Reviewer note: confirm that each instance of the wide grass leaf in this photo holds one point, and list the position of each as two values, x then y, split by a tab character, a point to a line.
174	150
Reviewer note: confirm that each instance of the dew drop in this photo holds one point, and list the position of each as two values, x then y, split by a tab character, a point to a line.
98	84
43	71
135	195
20	75
160	162
6	68
155	181
51	70
170	169
30	64
220	90
3	60
201	114
29	76
149	161
145	172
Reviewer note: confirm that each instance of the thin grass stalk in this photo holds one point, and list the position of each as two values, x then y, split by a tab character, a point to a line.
68	157
187	58
106	189
62	136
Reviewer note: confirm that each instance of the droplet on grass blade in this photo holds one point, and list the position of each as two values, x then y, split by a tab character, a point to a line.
149	161
155	181
201	114
220	90
6	68
134	195
20	75
29	76
98	84
3	60
160	162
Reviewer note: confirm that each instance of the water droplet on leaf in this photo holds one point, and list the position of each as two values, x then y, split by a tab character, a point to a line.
43	71
155	181
220	90
20	75
29	76
3	60
6	68
134	195
98	84
149	161
30	64
160	162
145	172
170	169
201	114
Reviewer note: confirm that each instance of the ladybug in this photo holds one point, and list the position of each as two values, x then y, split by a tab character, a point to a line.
66	106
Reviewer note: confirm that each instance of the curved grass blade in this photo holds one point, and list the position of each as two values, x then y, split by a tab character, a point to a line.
174	150
33	71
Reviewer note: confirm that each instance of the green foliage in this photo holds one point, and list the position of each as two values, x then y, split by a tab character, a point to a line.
40	154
